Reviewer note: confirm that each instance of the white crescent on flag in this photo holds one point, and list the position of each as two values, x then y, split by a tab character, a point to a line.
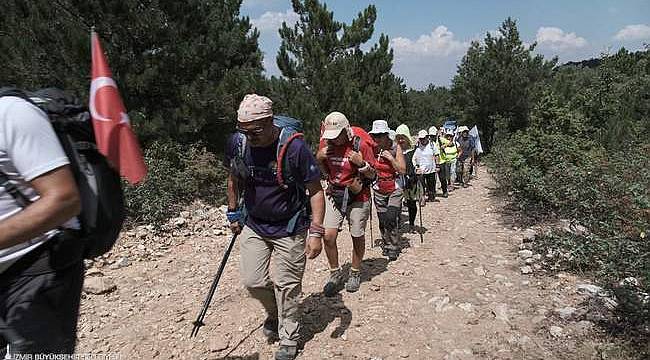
95	85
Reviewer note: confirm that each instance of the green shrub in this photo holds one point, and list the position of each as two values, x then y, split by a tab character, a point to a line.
176	176
572	177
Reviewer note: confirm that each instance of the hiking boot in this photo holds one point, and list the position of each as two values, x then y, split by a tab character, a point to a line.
286	352
334	283
270	328
354	281
392	255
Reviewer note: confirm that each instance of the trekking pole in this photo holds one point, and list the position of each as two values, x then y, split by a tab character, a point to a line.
213	288
372	239
420	205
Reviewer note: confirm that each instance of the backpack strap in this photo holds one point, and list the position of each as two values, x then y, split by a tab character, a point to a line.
287	135
284	140
22	200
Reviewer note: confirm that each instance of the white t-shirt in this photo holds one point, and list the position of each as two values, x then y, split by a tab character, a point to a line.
28	148
423	158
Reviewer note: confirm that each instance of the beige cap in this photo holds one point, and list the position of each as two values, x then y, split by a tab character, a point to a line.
254	107
333	124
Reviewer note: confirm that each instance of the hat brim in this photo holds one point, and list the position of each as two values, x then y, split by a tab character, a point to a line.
378	132
331	134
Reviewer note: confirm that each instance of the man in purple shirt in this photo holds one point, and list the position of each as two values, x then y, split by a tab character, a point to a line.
276	219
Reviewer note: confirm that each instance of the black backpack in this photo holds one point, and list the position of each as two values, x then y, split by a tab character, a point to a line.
410	177
103	208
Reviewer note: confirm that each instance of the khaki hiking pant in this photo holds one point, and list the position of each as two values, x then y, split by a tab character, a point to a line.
389	208
281	296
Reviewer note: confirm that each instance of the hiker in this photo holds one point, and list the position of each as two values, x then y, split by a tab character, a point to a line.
466	150
443	163
450	156
412	189
425	159
273	220
41	267
433	135
388	193
348	161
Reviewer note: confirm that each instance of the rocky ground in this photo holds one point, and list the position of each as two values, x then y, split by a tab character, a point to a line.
472	289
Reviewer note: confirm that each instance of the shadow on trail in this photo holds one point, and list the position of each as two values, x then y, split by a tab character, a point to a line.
255	356
372	267
318	311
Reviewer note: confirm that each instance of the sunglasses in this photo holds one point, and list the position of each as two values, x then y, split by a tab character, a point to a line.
254	131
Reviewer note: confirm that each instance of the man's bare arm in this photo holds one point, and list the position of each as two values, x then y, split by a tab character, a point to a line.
59	201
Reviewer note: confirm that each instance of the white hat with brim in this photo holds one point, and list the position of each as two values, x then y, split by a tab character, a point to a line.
463	128
422	134
333	124
379	127
392	134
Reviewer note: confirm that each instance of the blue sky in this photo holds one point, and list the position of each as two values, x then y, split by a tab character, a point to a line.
430	37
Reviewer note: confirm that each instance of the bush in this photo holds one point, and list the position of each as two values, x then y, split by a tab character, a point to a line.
557	168
177	175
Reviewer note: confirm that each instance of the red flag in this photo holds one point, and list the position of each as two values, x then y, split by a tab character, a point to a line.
113	133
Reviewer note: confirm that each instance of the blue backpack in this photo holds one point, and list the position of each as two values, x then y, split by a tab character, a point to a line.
290	129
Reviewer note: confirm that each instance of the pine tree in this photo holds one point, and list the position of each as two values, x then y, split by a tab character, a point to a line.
323	58
182	66
500	78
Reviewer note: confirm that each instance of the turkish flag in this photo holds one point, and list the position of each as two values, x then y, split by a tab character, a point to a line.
113	133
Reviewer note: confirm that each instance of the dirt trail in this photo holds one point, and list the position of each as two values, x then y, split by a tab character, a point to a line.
459	295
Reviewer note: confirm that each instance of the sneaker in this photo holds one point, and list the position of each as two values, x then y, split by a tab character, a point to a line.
354	281
270	328
445	194
286	352
333	284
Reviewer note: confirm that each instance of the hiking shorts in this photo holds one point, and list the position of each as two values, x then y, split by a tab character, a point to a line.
39	304
357	214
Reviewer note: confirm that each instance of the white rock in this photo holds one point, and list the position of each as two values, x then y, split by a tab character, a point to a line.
529	261
121	262
501	312
529	235
480	271
555	331
566	312
439	302
526	270
98	285
179	221
525	254
590	289
525	246
467	307
629	281
459	354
